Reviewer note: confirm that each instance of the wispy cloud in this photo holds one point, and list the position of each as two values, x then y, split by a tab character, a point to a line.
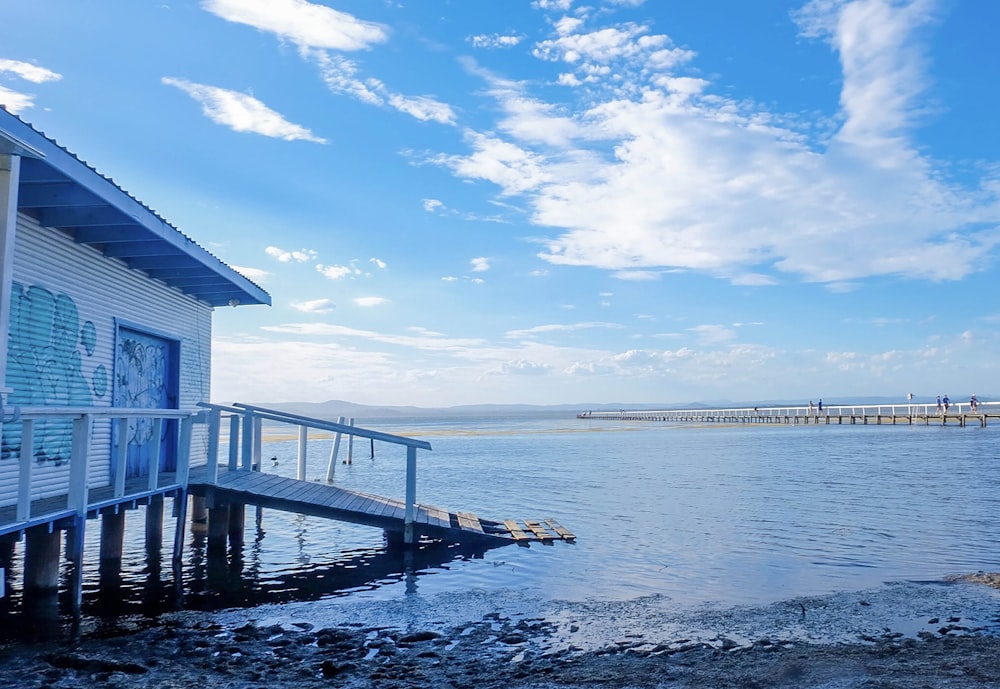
28	71
559	328
321	33
314	306
379	263
343	76
242	112
17	101
423	341
653	168
370	301
495	40
299	256
338	272
480	264
306	24
714	334
255	274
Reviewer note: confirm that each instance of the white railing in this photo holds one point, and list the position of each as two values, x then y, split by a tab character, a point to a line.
77	484
246	438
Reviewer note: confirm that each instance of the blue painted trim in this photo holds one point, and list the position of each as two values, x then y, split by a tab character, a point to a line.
84	182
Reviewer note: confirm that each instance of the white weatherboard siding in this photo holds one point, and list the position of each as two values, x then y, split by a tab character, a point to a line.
104	290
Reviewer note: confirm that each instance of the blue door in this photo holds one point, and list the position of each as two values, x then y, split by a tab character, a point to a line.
146	376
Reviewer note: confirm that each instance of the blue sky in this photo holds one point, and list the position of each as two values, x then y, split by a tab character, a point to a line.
507	201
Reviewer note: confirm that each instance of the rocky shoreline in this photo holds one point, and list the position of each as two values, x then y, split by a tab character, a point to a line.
491	653
206	651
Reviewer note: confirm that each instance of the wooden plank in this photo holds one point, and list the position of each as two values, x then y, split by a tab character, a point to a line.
563	532
440	517
469	521
540	531
515	530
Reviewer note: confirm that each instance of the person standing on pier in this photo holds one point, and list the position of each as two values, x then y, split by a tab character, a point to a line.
820	407
974	403
939	404
810	407
946	402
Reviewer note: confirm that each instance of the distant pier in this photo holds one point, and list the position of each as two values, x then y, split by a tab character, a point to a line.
871	414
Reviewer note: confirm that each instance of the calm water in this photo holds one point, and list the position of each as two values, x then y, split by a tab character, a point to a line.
681	514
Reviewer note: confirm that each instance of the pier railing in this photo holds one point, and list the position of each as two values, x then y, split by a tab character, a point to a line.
246	438
72	496
805	413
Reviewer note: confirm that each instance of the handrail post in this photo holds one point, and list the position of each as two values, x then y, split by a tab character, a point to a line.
121	455
234	442
79	465
331	468
303	441
350	444
411	494
214	428
184	451
258	439
248	441
154	458
24	480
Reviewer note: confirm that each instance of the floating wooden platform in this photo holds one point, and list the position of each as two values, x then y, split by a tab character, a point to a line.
332	502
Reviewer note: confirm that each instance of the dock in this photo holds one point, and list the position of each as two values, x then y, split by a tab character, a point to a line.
319	499
960	415
213	488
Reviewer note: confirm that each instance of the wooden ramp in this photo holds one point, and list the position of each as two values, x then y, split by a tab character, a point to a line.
332	502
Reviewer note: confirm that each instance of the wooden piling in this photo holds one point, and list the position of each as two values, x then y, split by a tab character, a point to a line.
154	524
218	527
199	515
112	538
41	560
237	519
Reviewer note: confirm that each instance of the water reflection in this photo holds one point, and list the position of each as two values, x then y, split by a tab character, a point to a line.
118	594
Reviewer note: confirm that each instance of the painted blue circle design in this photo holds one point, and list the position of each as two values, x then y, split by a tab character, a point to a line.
100	380
88	337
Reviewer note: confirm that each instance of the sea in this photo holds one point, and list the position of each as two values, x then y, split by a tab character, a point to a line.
682	530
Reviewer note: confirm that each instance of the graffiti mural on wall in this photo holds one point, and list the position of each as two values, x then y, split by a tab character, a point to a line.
46	354
142	379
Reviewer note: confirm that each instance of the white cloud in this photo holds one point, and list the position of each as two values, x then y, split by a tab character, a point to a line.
424	341
370	301
423	108
28	71
713	334
648	170
314	306
432	205
255	274
558	328
342	76
300	256
306	24
337	272
495	40
15	101
519	367
480	265
379	263
241	112
449	278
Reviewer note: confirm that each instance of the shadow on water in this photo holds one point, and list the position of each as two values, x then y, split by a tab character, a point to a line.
118	598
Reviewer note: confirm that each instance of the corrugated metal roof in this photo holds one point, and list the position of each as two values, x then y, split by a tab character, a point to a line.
64	193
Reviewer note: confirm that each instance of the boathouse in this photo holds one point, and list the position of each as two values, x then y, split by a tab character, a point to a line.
105	344
103	304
